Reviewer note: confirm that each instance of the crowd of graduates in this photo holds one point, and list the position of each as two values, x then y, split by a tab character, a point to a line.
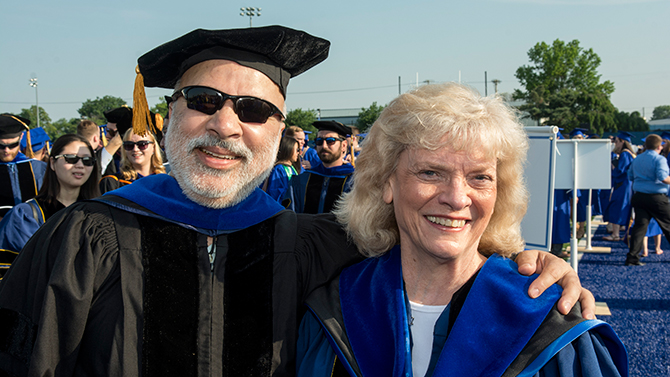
614	205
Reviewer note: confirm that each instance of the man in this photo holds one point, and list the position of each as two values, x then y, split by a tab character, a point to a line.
198	273
308	156
103	153
317	189
20	175
649	174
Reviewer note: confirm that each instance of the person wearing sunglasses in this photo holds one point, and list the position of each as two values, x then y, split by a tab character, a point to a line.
20	174
198	272
317	189
139	158
72	174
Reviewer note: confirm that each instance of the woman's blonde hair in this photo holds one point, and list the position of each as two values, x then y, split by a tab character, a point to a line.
126	167
422	119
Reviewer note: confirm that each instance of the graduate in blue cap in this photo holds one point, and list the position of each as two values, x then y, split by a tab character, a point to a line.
40	141
20	175
619	208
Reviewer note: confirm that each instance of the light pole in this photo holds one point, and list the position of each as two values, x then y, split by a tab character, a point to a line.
33	83
495	83
250	11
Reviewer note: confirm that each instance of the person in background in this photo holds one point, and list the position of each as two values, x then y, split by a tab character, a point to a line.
20	174
308	156
40	141
279	180
104	154
317	189
140	157
653	230
649	175
437	202
619	207
72	174
119	120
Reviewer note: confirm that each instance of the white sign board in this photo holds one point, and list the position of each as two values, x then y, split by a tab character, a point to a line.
594	161
539	176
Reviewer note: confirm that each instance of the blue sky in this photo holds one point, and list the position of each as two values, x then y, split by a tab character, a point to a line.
81	50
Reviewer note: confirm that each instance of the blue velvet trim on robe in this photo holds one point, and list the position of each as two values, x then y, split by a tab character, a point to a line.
611	340
161	194
370	295
337	171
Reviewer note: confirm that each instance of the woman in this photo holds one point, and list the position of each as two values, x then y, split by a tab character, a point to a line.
139	158
72	174
287	157
438	197
619	208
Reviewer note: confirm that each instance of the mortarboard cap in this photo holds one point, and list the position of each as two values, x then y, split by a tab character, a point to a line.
333	126
278	52
623	135
122	116
38	139
665	135
12	126
578	132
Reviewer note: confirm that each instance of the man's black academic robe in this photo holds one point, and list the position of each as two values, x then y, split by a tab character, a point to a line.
113	289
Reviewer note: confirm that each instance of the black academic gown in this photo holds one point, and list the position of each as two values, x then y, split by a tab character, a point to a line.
111	288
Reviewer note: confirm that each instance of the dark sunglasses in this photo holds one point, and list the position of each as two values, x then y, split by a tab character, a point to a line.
141	145
111	133
209	101
9	146
329	140
73	159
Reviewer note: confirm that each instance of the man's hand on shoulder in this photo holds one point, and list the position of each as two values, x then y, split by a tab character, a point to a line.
553	269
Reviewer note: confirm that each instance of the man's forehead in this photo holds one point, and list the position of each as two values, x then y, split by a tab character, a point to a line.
328	134
10	140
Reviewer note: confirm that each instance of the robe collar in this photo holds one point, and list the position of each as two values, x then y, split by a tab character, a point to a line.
497	318
161	194
336	171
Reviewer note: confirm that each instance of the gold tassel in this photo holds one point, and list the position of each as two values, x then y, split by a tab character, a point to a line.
103	138
351	151
29	146
159	122
141	113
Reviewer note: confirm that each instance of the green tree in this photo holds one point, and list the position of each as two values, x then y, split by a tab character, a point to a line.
631	121
367	116
94	109
562	87
301	118
161	107
661	112
30	114
61	127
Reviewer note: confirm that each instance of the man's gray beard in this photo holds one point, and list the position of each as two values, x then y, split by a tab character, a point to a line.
192	175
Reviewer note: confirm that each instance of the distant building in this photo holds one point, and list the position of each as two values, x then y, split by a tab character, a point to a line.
659	125
347	117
